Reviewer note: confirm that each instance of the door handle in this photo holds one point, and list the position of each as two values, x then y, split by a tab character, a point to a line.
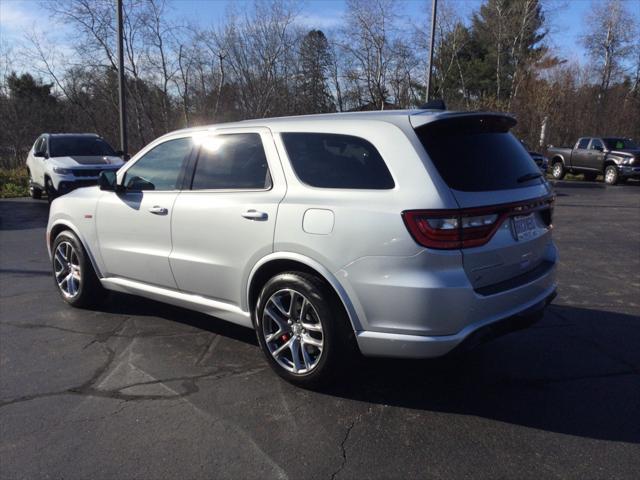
157	210
255	215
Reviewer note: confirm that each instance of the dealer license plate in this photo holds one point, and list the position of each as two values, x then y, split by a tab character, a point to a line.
524	227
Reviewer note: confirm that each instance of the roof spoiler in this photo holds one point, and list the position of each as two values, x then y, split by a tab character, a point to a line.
450	118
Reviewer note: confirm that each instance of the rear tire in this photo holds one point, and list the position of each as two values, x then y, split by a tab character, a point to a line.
303	329
558	170
73	273
611	176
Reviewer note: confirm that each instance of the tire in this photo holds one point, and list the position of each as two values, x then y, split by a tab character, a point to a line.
34	192
73	274
50	189
558	170
590	177
281	330
611	176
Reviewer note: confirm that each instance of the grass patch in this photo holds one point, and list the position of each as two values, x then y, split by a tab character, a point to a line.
14	182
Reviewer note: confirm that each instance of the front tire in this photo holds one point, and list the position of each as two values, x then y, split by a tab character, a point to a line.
303	329
558	171
34	192
50	189
611	176
73	272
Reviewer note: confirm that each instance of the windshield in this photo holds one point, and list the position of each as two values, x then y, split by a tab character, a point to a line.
79	146
619	144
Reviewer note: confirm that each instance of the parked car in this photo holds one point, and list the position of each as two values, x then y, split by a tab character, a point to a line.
402	233
60	162
541	161
617	159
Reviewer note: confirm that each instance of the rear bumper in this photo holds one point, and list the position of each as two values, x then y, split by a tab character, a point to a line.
424	306
379	344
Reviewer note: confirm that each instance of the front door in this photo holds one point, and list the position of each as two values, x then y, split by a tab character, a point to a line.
596	155
225	222
134	226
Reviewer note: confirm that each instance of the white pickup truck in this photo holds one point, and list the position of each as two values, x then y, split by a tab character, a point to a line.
61	162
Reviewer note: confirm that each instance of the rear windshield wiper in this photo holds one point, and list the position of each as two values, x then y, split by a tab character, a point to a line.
529	176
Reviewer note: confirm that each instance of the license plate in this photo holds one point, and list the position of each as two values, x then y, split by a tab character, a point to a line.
524	227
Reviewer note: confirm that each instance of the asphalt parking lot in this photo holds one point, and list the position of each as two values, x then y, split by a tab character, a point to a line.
147	391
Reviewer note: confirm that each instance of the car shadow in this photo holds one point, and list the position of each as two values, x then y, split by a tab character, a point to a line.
576	372
23	214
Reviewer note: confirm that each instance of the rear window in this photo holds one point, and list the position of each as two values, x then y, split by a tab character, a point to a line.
69	146
336	161
477	154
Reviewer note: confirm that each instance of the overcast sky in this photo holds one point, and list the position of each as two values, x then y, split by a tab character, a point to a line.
566	17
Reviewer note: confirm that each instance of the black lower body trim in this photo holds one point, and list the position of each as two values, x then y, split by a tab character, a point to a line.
497	329
514	282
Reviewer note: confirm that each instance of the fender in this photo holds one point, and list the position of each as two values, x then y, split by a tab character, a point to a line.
351	309
72	227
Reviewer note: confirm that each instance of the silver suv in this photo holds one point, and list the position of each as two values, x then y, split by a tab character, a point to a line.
399	233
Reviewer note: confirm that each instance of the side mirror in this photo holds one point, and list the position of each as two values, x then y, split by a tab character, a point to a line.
124	156
107	180
138	184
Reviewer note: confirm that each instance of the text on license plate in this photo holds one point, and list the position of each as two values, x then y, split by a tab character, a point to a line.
524	226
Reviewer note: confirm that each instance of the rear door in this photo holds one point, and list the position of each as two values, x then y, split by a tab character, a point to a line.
223	223
486	166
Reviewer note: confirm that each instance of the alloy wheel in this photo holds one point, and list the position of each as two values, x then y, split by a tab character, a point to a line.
610	176
292	330
66	265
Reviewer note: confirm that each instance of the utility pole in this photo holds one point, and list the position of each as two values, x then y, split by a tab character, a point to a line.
434	7
121	84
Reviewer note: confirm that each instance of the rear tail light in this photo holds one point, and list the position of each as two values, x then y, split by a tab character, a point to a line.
464	228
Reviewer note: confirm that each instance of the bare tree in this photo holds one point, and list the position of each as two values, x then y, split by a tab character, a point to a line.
609	39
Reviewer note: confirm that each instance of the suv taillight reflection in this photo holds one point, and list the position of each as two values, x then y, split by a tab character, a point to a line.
464	228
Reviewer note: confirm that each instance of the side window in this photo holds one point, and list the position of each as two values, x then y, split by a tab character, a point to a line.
159	168
583	143
39	145
596	144
328	160
233	161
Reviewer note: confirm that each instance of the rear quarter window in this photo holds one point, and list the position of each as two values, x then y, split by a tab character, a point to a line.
477	154
327	160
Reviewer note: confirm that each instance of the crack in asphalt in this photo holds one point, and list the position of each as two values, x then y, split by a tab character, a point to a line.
343	449
100	335
88	387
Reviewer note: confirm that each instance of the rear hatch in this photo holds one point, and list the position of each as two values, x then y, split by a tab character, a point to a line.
505	204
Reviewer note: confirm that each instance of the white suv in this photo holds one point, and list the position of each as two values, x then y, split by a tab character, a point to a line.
61	162
403	233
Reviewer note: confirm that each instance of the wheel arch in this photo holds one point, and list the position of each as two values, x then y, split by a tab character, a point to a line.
279	262
609	161
556	159
62	225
